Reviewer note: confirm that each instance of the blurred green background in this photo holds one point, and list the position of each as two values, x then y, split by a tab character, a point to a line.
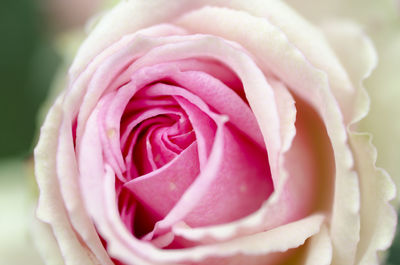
28	63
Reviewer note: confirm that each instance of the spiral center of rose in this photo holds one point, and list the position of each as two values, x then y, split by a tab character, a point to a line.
190	149
155	131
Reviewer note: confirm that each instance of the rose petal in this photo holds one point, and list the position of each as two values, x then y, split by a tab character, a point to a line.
346	38
46	243
255	85
309	41
51	198
287	113
88	86
93	177
260	243
377	229
239	64
311	84
167	182
223	100
203	123
132	171
378	217
240	186
383	88
309	163
320	248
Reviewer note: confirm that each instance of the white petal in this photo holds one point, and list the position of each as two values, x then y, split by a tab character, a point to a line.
378	218
320	249
357	55
384	89
51	207
46	243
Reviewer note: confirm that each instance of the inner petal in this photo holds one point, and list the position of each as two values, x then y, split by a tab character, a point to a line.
238	181
128	147
159	190
161	152
203	125
242	184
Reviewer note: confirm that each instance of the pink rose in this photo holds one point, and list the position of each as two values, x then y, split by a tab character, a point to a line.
196	134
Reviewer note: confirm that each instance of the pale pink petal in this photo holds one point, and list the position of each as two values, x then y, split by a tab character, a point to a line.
214	69
287	112
223	100
112	153
93	175
88	86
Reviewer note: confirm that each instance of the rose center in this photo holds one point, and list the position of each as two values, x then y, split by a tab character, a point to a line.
192	151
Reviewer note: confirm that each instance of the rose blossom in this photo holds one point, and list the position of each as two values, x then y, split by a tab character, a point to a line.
216	135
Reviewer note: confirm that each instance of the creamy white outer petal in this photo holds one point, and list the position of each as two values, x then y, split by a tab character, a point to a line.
384	89
46	243
378	217
270	241
308	40
380	19
125	18
131	16
319	249
357	54
51	208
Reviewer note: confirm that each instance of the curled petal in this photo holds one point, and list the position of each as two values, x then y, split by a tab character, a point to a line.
377	229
